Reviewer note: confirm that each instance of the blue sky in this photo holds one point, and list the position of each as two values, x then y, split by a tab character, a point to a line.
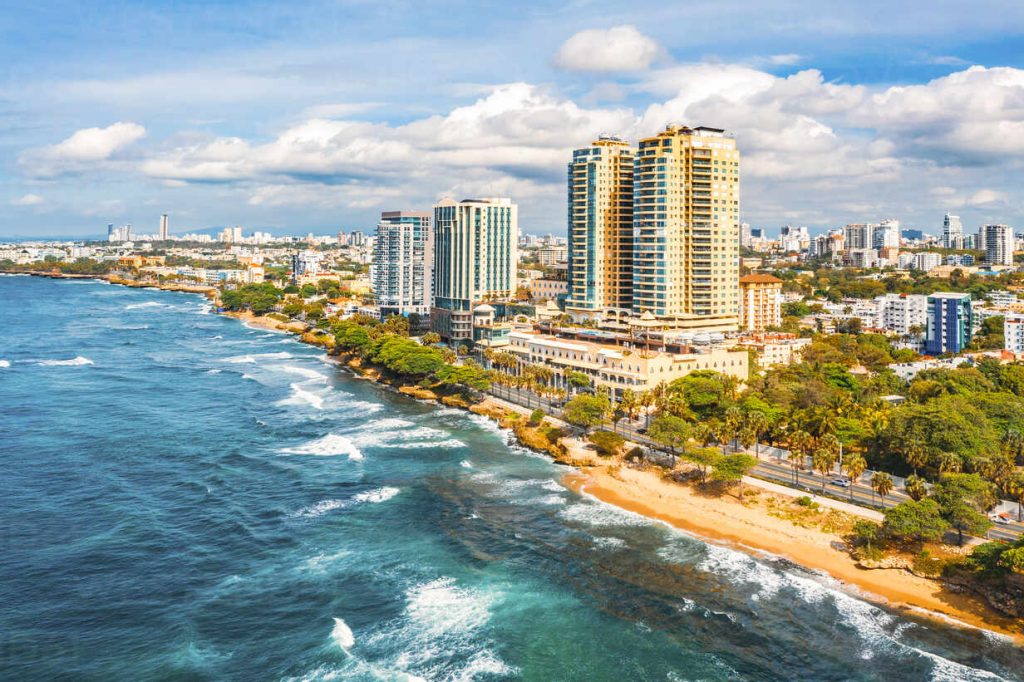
318	115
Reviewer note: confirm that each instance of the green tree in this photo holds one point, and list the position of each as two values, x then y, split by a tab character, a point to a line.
915	521
670	431
964	499
704	458
732	469
586	411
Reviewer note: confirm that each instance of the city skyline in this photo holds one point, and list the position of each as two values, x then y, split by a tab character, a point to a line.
317	118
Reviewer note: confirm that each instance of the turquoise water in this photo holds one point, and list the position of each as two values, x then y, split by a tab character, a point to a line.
186	498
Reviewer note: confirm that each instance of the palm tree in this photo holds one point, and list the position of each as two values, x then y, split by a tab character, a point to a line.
824	460
799	445
915	487
915	454
881	483
950	463
855	467
757	423
1014	487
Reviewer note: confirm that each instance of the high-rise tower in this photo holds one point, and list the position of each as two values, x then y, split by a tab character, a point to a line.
600	220
403	260
686	228
475	260
163	227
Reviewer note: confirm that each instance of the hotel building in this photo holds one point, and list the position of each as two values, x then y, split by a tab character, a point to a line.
999	244
600	194
475	260
760	302
619	368
403	261
686	229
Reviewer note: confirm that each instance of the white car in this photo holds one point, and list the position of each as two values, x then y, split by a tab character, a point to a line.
841	482
999	518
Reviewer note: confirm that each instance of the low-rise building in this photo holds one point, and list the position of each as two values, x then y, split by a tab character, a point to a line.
619	368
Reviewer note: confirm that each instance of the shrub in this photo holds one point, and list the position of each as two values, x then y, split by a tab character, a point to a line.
536	417
806	501
606	442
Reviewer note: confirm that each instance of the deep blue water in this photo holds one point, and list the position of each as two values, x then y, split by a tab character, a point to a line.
186	498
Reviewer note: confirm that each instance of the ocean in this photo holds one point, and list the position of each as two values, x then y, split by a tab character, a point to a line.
185	498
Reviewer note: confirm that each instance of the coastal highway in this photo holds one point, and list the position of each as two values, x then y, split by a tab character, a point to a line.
768	468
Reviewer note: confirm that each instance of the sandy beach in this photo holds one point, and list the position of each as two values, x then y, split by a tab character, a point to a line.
751	527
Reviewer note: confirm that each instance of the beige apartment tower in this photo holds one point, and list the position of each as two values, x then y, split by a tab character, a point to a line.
600	221
760	302
686	229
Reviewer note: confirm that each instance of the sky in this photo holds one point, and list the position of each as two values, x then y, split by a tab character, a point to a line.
315	116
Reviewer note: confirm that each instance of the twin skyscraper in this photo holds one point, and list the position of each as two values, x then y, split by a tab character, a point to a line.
653	234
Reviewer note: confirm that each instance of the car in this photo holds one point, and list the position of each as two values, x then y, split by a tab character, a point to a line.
841	482
999	518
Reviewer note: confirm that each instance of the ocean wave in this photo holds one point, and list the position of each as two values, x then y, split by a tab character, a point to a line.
466	464
213	371
443	623
74	362
311	375
5	363
148	304
602	515
376	496
256	357
300	396
331	445
342	635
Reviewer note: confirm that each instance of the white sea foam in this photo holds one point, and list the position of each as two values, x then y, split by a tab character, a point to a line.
5	363
321	508
376	496
311	375
466	464
213	371
342	635
610	543
74	362
249	377
256	357
877	629
217	337
301	396
331	445
602	515
148	304
440	607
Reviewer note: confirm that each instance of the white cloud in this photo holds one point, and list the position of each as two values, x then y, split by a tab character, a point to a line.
28	200
784	59
82	150
621	48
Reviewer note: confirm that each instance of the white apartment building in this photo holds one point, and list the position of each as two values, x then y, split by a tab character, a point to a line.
1013	332
403	263
926	260
999	244
899	312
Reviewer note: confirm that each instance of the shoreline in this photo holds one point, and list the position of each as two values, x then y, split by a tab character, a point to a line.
726	521
718	519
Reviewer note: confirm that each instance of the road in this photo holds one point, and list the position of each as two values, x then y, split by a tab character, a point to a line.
768	468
